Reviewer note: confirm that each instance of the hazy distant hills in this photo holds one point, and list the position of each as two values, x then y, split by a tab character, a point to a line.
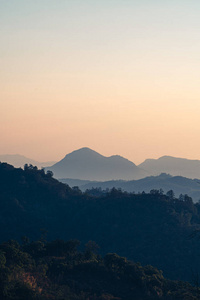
19	161
172	165
180	185
89	165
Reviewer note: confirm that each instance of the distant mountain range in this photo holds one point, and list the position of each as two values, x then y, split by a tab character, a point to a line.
166	182
89	165
19	161
172	165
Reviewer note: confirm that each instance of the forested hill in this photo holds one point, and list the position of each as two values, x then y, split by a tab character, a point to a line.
166	182
150	228
57	270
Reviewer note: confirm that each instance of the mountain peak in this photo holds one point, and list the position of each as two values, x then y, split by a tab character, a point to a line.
85	151
88	164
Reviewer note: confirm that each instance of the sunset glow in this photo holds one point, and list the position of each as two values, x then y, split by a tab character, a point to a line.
120	77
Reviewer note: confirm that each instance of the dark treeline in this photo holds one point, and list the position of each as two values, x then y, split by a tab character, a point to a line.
152	228
57	270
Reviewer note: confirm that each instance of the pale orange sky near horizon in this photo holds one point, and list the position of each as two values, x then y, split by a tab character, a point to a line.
119	77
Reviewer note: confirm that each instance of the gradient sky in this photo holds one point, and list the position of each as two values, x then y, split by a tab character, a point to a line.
118	76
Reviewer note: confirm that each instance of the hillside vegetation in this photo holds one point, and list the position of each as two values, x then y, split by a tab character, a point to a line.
166	182
152	228
57	270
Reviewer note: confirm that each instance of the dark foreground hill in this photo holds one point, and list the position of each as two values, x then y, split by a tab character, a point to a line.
89	165
58	271
150	228
172	165
166	182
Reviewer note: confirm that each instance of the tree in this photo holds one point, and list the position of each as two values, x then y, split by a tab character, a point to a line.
155	192
170	194
114	261
181	197
76	190
2	259
49	174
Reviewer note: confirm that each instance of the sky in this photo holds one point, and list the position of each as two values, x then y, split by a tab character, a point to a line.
118	76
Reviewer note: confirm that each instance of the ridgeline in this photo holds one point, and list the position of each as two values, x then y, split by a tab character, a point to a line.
154	229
